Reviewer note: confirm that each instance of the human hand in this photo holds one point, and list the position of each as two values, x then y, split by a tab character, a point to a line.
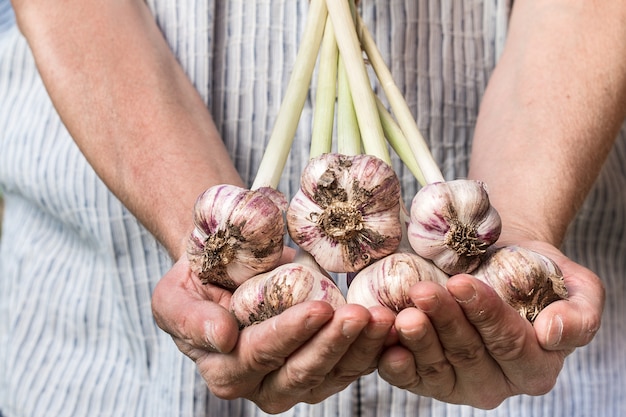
465	345
303	355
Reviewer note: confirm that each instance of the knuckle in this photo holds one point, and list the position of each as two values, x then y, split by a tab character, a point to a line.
275	405
267	360
488	402
344	378
509	344
224	385
542	387
330	352
506	350
540	384
272	402
298	378
413	385
436	380
467	356
434	370
224	391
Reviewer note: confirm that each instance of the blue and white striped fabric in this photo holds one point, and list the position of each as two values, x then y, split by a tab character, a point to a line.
77	270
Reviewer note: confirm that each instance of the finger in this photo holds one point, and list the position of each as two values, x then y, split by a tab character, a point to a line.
193	321
509	338
362	355
310	366
462	344
436	374
420	365
463	347
262	348
397	366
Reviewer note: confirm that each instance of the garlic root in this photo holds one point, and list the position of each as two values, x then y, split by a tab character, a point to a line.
453	224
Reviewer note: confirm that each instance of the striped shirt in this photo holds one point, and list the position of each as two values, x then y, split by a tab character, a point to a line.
78	338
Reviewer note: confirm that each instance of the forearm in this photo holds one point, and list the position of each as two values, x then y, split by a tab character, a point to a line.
551	112
129	107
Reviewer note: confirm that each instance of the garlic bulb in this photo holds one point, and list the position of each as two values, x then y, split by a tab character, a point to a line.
271	293
238	234
453	224
525	279
386	282
346	213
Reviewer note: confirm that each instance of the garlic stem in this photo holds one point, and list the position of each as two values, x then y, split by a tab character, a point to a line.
398	142
348	133
403	114
326	94
360	87
405	220
283	132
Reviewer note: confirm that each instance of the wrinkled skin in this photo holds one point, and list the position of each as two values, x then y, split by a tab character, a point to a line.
303	355
466	343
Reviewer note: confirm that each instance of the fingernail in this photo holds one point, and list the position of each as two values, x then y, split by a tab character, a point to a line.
208	335
464	293
555	331
413	334
427	304
351	328
316	321
377	330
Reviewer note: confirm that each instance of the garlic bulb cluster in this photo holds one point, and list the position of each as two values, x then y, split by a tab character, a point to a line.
346	213
525	279
453	224
269	294
238	233
387	282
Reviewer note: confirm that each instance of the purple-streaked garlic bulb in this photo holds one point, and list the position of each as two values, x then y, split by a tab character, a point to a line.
525	279
387	281
346	213
238	234
453	223
271	293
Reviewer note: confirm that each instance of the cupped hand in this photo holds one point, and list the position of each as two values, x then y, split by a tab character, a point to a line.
465	345
305	354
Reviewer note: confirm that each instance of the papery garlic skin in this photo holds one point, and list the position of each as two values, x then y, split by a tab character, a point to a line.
271	293
453	223
525	279
238	234
387	281
346	213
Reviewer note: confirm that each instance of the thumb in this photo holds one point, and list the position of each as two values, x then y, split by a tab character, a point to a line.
196	317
